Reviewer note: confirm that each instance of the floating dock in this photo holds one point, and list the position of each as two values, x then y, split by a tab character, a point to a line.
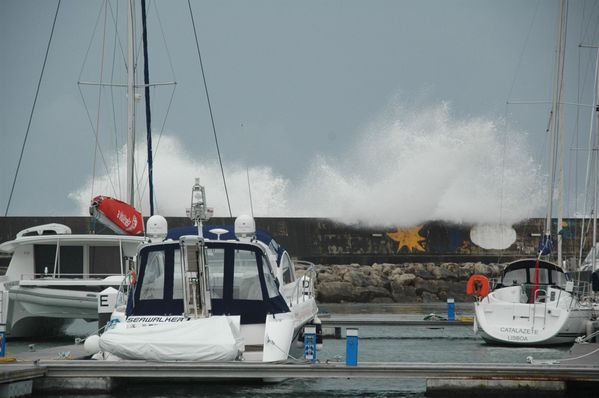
63	369
334	321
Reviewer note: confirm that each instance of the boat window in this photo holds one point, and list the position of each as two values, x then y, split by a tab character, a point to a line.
543	276
269	279
287	267
515	277
246	280
216	264
70	260
559	279
152	287
105	260
274	246
177	276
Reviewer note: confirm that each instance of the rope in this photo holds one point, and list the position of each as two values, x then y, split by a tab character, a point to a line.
39	83
99	103
268	340
209	107
93	131
168	109
114	123
531	360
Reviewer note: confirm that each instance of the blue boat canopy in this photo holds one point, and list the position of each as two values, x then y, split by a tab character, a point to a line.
240	282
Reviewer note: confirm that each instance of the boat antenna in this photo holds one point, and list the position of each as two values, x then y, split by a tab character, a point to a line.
198	211
247	173
195	33
147	101
37	91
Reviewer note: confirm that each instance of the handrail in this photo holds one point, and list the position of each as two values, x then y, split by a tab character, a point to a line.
65	275
535	296
300	289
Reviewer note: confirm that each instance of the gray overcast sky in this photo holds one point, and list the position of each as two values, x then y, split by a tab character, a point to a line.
292	84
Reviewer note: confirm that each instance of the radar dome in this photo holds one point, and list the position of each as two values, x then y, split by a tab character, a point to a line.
245	228
156	228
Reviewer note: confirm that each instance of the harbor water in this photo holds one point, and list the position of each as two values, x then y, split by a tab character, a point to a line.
376	344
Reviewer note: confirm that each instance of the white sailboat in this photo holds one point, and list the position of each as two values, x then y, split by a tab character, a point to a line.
519	311
534	302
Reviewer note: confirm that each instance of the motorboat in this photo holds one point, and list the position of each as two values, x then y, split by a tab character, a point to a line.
212	294
534	303
54	277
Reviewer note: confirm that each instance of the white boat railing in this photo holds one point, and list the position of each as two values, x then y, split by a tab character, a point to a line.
303	287
538	295
48	276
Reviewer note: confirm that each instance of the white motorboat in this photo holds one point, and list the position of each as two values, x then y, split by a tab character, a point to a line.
54	277
224	296
534	303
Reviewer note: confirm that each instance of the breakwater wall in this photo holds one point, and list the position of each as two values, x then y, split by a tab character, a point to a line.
401	283
421	264
327	242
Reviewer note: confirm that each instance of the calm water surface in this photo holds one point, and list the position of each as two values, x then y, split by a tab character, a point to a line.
376	344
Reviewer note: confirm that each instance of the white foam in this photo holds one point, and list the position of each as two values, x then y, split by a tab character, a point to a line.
408	168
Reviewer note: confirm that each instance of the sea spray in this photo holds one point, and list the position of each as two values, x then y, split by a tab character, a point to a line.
422	166
405	169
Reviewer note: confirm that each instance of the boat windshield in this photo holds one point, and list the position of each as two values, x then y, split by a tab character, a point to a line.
241	282
246	275
523	274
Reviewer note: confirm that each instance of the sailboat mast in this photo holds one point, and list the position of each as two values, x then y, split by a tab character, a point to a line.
557	151
147	101
131	104
595	157
560	125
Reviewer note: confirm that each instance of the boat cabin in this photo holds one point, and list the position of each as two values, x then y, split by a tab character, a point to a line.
522	272
285	271
55	255
197	277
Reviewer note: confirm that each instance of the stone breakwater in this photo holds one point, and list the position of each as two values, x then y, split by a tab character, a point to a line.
401	283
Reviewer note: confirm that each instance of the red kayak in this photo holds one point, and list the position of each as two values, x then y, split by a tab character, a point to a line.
119	216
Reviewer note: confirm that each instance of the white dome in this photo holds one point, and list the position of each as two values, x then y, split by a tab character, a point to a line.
156	228
245	227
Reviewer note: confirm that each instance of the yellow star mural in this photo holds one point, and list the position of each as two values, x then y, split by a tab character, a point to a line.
409	238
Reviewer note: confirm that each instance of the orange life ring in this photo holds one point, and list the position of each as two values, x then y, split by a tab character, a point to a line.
133	278
478	285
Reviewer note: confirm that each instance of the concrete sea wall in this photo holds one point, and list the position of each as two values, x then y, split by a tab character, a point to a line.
424	263
325	241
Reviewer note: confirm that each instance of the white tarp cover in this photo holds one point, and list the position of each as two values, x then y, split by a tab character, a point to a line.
208	339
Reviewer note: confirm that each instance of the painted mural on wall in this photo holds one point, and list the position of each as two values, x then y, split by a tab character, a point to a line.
432	238
409	240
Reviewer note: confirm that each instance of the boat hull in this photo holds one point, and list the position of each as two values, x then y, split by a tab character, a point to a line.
37	312
524	324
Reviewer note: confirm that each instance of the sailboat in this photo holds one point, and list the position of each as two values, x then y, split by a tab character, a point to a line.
534	302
